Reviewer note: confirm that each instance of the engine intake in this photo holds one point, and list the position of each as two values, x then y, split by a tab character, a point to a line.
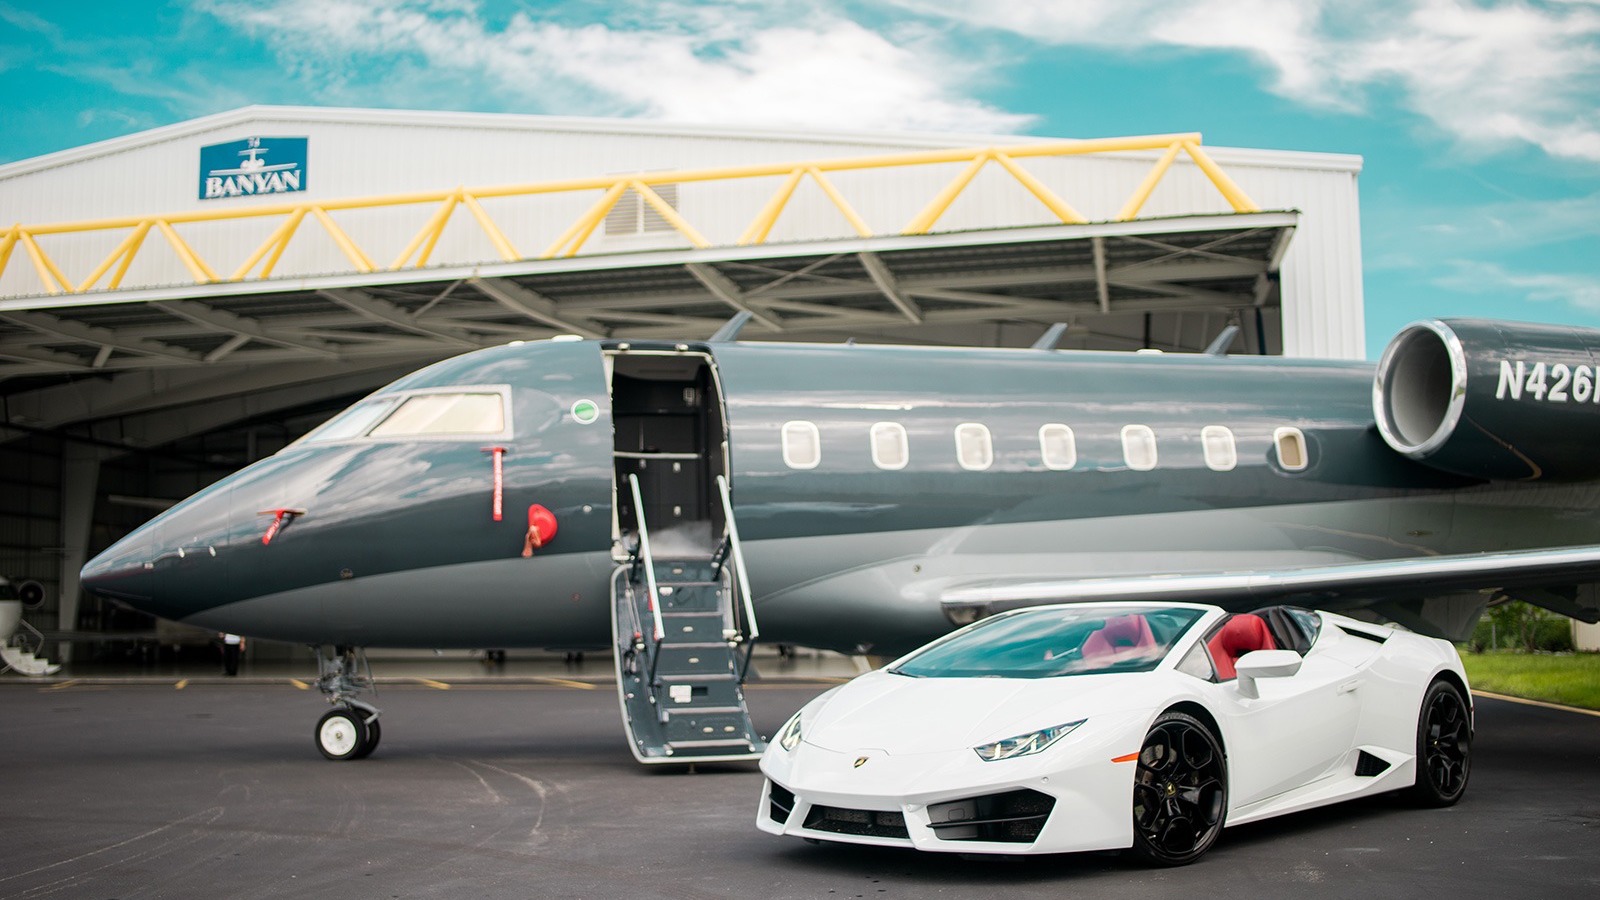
1495	400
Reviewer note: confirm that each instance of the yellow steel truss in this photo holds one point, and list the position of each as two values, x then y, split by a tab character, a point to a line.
260	263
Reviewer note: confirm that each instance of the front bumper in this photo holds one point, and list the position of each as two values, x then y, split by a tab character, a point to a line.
1071	797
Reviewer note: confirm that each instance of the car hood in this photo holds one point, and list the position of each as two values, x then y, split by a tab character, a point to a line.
901	715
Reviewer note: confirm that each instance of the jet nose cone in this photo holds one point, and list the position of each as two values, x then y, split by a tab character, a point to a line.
170	566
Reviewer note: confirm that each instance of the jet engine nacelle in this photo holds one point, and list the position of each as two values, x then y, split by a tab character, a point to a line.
1496	400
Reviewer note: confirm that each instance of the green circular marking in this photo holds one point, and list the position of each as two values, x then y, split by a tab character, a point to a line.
585	412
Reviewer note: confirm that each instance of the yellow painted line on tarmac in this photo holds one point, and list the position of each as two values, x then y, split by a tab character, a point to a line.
1526	702
182	683
300	684
565	682
62	685
436	685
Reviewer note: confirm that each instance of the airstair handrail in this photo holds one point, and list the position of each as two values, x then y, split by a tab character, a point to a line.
738	556
649	561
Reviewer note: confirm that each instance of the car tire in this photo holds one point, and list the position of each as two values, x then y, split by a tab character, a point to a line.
1444	746
1180	791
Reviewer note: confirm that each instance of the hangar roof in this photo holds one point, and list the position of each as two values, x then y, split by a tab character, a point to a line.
880	286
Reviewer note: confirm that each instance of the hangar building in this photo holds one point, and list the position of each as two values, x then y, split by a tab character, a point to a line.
177	303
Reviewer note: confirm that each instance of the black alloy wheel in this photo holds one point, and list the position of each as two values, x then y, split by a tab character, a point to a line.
1444	746
1180	791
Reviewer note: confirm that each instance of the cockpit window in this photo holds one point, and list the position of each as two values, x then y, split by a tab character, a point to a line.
353	422
431	414
445	414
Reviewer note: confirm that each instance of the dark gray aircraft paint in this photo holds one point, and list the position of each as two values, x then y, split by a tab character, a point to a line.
397	546
882	494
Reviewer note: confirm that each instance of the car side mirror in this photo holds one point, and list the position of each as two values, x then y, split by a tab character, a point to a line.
1264	664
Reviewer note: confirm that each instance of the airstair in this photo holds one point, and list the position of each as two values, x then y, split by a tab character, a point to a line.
20	643
683	630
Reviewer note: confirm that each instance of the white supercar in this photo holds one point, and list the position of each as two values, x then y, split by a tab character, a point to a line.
1145	726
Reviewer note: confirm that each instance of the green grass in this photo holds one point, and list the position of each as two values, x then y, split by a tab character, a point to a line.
1572	679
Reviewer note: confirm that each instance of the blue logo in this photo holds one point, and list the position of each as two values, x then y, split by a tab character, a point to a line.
275	165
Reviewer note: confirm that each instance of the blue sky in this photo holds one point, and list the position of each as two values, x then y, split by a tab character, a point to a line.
1479	119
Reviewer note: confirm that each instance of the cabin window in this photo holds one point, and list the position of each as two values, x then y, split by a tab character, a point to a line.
1139	447
1291	444
1221	453
890	449
802	445
1058	446
445	413
974	447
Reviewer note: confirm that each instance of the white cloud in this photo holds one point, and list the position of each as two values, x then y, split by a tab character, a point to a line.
1575	290
742	63
1489	73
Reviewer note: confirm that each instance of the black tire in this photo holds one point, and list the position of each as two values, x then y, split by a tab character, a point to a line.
1180	791
340	734
1444	746
374	734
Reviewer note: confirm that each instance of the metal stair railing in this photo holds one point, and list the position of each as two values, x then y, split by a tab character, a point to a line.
644	556
741	576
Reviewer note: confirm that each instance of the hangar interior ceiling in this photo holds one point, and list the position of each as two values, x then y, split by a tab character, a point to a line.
118	403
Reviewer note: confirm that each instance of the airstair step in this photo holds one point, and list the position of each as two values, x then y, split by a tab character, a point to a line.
731	742
705	710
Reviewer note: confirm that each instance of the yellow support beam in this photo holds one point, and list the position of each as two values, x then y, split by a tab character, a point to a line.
1235	196
1151	179
1060	207
671	215
360	260
762	226
191	260
936	207
850	214
496	236
54	281
419	250
429	233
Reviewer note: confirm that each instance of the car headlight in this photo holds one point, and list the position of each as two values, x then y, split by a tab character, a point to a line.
1022	744
789	738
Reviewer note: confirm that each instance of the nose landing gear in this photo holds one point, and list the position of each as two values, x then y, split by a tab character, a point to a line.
350	730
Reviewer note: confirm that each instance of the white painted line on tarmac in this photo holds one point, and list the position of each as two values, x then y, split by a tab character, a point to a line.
1526	702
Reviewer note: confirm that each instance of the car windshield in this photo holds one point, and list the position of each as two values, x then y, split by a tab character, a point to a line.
1044	643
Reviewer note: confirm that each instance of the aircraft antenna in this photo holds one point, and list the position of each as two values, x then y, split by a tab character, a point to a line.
731	328
1219	347
1051	337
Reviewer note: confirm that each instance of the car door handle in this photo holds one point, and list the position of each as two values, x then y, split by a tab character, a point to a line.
1349	686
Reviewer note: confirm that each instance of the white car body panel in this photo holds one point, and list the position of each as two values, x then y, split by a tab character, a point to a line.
888	743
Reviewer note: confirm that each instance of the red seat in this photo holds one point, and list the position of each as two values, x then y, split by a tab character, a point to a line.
1240	635
1121	636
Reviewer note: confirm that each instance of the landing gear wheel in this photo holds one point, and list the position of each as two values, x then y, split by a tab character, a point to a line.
1444	746
1180	791
341	734
374	733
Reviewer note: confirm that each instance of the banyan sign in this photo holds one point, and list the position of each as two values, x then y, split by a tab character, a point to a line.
258	165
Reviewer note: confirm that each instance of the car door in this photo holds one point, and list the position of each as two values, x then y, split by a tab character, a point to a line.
1298	731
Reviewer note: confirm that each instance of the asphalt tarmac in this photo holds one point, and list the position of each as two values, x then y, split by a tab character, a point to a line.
525	789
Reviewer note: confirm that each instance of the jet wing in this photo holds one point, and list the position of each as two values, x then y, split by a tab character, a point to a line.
1561	579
